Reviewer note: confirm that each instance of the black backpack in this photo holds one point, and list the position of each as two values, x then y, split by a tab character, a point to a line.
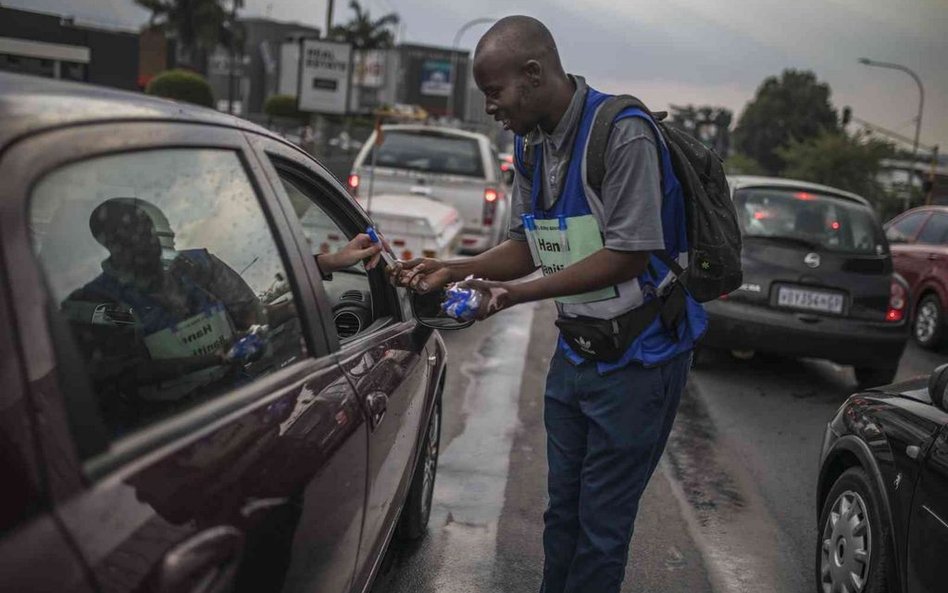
714	238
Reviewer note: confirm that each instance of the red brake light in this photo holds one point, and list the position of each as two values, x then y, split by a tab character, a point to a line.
835	225
490	205
354	184
802	195
897	302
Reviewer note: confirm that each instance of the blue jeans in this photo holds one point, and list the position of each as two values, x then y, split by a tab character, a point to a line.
605	435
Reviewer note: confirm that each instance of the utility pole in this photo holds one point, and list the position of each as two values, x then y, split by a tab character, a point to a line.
329	4
918	119
233	52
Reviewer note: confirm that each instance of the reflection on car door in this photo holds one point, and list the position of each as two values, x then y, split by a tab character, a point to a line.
928	528
261	485
384	364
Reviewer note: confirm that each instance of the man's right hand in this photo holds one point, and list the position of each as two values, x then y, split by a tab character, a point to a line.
423	275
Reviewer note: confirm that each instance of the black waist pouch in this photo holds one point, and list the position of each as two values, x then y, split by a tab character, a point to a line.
606	340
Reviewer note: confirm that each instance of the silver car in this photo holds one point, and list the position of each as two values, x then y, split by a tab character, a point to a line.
452	166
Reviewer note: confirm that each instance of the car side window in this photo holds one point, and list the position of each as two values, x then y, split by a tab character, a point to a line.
357	306
905	229
165	268
935	231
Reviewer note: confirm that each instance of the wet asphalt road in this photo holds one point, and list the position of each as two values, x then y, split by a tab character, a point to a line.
731	508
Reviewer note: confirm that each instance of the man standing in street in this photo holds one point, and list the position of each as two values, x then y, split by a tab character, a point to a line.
627	326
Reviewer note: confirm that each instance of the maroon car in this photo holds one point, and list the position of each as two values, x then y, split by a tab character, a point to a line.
919	243
186	403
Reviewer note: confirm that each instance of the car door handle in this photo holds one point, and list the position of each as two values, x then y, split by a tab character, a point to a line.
378	404
204	563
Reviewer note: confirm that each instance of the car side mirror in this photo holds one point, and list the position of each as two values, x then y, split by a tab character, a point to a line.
938	387
427	310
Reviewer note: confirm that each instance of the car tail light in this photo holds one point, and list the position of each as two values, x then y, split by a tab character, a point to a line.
354	184
898	301
407	254
490	205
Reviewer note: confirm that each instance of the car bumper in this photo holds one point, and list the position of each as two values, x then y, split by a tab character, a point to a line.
739	326
475	241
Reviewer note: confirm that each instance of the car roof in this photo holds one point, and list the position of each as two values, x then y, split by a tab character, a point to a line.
30	104
433	129
744	181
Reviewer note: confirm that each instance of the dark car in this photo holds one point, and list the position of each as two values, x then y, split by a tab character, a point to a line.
818	280
919	241
186	404
882	494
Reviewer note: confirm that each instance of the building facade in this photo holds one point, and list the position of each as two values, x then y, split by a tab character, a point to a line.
55	47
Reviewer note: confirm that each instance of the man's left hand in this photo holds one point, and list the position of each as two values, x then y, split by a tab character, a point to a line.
495	296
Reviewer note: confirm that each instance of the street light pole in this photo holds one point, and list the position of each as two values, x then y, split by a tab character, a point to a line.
918	119
454	58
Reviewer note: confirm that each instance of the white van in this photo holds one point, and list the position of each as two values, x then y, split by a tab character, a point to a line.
447	165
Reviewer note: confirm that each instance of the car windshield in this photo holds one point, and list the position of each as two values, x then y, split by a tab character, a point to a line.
429	151
808	218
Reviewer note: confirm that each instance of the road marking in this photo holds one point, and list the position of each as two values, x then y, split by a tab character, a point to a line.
473	469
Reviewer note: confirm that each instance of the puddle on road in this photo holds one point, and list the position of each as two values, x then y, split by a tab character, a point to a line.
692	455
461	546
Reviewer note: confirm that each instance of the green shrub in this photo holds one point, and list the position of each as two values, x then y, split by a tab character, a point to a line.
283	106
182	85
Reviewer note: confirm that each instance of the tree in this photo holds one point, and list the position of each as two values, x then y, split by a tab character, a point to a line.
794	107
363	32
710	125
738	163
199	26
182	85
848	162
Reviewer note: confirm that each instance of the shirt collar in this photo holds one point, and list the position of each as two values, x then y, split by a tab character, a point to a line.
567	125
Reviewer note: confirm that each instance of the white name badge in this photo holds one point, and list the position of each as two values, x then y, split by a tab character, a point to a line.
201	334
559	250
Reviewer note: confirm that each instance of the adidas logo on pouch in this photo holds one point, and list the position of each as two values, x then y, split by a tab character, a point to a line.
585	345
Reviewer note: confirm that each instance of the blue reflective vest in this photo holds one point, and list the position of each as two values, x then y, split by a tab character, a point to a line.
655	345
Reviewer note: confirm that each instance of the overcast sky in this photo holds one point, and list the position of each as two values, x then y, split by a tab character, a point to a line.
682	51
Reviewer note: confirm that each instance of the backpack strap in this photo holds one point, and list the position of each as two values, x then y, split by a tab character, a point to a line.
599	142
601	131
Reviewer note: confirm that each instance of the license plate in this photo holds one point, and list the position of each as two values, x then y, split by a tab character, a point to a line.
810	300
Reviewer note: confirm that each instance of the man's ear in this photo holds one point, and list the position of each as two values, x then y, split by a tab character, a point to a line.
534	72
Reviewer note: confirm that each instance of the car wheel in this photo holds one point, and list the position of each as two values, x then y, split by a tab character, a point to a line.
414	519
929	322
854	550
867	377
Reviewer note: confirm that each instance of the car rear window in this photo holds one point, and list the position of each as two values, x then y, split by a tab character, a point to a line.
429	151
820	220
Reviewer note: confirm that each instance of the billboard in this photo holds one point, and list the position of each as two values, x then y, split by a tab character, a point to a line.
324	76
436	78
370	69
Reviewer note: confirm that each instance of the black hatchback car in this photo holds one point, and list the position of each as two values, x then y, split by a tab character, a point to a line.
818	280
882	494
139	240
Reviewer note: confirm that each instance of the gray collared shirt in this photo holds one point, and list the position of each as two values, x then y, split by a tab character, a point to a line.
631	200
